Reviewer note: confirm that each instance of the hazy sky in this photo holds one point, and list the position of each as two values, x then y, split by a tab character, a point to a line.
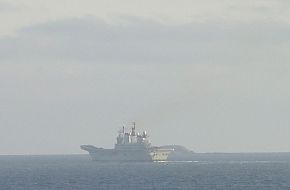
211	75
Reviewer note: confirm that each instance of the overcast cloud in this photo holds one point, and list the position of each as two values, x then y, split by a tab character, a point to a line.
145	41
210	75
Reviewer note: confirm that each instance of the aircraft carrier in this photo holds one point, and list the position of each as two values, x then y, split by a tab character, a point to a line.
130	146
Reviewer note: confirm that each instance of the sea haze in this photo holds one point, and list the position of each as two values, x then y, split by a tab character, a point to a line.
79	172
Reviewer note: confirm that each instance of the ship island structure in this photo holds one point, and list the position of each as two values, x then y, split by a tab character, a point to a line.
130	146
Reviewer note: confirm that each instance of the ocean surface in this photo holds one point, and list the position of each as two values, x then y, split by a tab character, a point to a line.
79	172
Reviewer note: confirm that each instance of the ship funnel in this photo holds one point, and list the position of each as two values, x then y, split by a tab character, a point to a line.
133	129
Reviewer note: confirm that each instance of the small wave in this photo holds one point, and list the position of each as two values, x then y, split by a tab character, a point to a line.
188	161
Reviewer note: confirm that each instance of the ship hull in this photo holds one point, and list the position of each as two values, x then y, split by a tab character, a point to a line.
115	155
99	154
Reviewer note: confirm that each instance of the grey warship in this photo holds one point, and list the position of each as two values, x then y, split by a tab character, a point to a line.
130	146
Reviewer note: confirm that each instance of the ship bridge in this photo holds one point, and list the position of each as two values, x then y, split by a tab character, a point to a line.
132	139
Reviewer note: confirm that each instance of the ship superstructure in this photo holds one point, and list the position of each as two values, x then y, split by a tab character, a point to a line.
130	146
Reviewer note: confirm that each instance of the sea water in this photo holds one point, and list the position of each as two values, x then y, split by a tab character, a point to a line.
80	173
